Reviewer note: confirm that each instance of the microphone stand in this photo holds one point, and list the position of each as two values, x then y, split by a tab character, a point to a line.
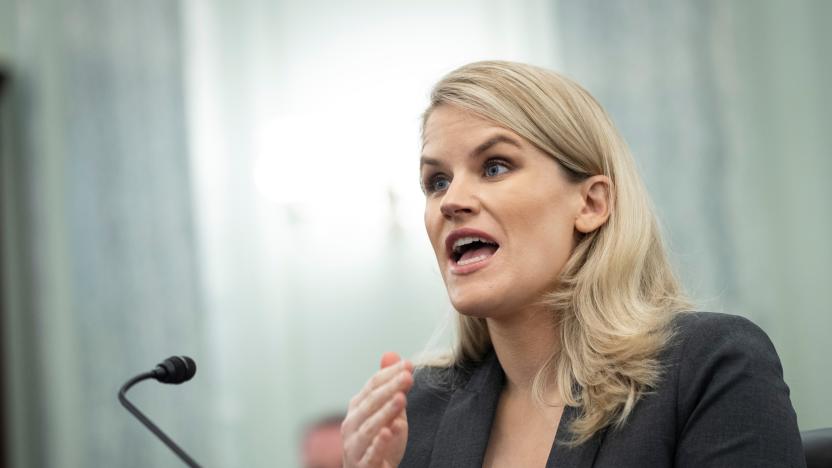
148	423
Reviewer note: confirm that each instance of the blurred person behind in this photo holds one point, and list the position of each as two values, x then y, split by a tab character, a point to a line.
321	443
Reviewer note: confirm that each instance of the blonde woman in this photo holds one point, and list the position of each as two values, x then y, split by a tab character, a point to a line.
574	345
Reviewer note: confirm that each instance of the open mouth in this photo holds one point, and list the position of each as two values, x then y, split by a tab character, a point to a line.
468	250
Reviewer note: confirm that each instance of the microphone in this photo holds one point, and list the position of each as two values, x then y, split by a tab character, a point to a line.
173	370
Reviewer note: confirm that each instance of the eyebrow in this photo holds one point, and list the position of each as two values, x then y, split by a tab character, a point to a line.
483	147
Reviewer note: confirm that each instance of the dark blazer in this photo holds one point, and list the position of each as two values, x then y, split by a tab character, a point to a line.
721	402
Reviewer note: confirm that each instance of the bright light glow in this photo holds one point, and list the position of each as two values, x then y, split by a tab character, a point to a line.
304	160
347	129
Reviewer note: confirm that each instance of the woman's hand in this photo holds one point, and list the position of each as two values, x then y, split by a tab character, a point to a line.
375	429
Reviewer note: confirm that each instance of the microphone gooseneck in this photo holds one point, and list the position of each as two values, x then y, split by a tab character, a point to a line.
173	370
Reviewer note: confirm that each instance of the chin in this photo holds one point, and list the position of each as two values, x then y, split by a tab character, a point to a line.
475	311
494	300
476	304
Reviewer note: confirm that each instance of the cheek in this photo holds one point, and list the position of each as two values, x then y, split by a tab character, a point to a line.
559	249
548	240
433	226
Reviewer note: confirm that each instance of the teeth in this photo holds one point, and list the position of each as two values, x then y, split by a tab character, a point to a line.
472	260
467	240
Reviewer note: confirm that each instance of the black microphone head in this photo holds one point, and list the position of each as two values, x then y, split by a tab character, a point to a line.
175	370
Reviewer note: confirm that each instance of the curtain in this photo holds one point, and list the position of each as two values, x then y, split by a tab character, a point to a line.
100	275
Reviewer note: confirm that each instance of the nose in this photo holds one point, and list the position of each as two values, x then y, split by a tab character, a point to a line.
459	200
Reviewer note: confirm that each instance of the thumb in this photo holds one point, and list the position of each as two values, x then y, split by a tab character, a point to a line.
389	358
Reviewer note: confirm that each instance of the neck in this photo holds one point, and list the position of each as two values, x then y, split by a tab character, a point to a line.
523	343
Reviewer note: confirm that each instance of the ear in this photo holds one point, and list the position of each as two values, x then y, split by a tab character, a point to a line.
597	203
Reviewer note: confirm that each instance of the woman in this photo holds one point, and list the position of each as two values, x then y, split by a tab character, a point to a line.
573	345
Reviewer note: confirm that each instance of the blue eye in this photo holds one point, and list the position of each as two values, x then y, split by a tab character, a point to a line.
438	183
495	168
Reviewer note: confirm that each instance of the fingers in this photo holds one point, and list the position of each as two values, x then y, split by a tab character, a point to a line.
374	402
389	358
380	378
399	425
378	423
375	454
389	444
394	427
375	398
372	441
377	416
381	419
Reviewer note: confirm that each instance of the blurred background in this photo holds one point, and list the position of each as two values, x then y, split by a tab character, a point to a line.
237	181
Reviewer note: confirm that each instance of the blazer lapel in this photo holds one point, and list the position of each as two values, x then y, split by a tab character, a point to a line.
462	436
582	456
463	433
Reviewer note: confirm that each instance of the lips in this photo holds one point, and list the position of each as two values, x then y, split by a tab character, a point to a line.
469	250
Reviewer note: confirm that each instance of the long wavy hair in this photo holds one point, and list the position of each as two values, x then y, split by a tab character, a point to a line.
617	293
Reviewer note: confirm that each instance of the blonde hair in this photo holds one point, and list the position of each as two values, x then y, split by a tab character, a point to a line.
617	293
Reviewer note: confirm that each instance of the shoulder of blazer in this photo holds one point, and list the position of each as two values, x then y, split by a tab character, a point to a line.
729	387
707	342
713	333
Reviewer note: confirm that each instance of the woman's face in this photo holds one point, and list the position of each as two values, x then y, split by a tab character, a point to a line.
500	213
